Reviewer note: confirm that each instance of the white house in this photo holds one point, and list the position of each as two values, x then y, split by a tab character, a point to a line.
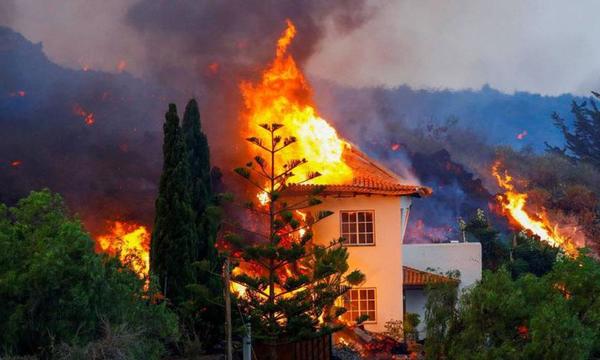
423	263
371	213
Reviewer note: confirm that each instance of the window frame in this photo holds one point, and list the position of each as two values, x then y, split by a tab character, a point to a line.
346	243
359	300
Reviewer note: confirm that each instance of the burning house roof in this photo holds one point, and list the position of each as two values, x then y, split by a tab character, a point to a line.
368	177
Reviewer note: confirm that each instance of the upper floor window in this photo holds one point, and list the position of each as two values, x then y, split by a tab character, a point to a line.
360	302
357	227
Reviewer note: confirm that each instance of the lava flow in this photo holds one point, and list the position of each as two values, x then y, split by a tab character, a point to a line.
513	203
130	242
284	96
88	117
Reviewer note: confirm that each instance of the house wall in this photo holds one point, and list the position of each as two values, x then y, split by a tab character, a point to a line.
382	262
440	258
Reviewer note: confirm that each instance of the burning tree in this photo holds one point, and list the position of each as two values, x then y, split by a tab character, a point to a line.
285	283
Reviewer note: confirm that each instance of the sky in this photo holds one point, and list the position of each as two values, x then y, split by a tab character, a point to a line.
547	47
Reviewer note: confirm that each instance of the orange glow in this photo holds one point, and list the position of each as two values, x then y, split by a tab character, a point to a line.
513	203
16	163
283	96
88	117
121	65
521	135
213	68
130	242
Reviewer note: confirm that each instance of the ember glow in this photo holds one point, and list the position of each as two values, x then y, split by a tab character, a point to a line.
88	117
513	203
121	65
521	135
16	163
284	96
130	242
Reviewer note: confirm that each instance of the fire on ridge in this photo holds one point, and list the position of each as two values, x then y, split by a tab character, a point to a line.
513	204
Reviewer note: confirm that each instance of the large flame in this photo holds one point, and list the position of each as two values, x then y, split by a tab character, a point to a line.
284	96
513	203
130	242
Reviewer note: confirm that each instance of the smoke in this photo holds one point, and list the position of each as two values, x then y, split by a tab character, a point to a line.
547	47
124	61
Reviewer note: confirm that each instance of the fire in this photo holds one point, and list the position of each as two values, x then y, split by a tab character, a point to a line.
88	117
130	242
121	65
513	203
16	163
19	93
284	96
521	135
213	68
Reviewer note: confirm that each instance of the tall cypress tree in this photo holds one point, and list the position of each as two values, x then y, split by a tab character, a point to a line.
174	238
199	163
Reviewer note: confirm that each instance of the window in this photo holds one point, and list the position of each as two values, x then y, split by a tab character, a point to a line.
358	302
358	227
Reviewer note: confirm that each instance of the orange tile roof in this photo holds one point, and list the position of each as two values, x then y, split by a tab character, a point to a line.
369	178
419	278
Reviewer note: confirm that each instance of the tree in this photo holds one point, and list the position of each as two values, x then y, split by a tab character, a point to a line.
583	141
57	292
288	282
199	164
494	252
553	316
531	255
174	238
440	316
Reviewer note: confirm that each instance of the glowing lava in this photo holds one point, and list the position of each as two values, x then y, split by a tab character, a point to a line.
284	96
88	117
513	203
130	242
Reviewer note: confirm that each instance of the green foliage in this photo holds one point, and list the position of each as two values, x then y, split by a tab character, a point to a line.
553	316
56	291
531	256
183	253
292	282
494	251
174	237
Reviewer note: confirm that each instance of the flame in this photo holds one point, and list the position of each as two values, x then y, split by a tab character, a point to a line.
213	68
88	117
513	203
521	135
19	93
16	163
121	65
284	96
130	242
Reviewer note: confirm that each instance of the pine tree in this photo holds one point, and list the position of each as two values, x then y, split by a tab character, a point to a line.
289	282
174	238
583	141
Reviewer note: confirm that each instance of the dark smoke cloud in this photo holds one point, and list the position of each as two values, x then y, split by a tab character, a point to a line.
110	170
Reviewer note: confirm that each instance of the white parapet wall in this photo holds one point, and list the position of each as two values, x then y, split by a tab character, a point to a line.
440	258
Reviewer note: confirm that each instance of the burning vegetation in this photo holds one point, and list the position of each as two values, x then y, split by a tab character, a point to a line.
130	242
514	205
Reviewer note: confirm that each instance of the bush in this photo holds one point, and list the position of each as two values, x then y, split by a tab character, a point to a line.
56	290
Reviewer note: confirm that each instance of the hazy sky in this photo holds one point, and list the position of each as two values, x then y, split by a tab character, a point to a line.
549	47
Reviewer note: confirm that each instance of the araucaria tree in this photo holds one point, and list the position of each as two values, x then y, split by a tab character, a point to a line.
287	285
